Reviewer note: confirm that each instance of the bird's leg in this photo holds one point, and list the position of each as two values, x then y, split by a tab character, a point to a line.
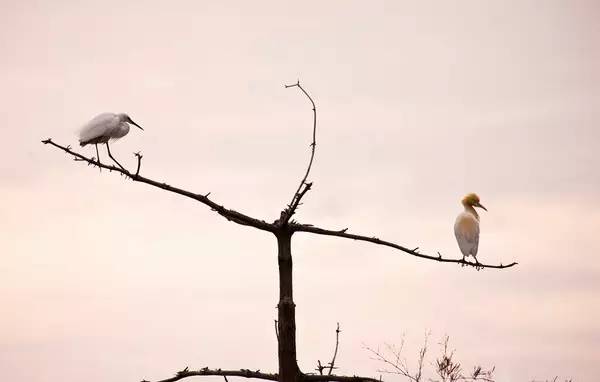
111	157
98	156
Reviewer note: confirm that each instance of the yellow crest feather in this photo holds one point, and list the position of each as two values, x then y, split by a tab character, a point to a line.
471	199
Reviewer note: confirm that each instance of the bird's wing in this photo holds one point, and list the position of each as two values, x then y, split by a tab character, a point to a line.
466	230
476	241
99	125
119	131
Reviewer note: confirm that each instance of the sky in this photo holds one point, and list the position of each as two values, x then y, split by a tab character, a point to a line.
418	104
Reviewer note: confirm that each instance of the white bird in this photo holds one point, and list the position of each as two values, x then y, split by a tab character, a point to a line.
466	227
104	127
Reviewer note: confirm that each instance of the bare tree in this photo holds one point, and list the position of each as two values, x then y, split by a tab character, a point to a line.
283	228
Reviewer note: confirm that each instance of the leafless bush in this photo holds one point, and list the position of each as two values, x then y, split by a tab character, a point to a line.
445	368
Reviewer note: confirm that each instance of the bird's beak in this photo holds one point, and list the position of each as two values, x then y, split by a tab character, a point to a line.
131	121
480	206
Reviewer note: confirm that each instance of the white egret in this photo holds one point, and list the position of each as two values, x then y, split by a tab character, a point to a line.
466	227
104	127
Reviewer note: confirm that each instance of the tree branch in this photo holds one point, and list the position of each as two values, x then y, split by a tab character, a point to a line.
331	364
291	208
139	157
245	373
185	373
343	234
337	343
231	215
337	378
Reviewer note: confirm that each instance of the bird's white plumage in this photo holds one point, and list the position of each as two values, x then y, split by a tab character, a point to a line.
104	126
466	230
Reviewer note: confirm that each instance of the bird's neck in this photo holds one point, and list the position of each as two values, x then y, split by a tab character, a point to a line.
471	210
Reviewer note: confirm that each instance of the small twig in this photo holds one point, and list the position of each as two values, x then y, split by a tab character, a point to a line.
276	330
139	157
320	367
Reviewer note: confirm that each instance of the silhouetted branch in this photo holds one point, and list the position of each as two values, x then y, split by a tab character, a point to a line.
343	234
245	373
331	364
228	214
139	157
185	373
338	378
320	367
337	343
291	208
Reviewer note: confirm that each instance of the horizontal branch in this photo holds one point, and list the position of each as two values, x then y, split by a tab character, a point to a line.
337	378
343	234
185	373
228	214
246	373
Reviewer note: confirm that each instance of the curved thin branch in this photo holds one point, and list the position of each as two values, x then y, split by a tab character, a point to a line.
185	373
291	208
231	215
343	234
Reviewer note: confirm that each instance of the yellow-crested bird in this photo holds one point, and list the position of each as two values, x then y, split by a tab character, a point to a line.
466	227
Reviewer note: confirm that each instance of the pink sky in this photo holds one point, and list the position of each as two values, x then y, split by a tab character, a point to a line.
419	103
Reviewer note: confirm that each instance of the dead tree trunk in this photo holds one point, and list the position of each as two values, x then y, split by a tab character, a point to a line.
286	325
